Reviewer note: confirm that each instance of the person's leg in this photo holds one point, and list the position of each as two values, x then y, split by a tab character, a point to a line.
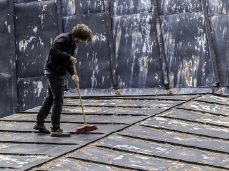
44	111
57	88
45	108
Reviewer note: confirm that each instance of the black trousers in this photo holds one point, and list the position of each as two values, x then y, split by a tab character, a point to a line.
54	100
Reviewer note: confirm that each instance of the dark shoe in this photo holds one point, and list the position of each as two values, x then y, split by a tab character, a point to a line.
41	128
60	133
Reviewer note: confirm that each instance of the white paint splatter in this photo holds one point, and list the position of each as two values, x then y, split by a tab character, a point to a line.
35	29
41	43
39	87
9	28
118	158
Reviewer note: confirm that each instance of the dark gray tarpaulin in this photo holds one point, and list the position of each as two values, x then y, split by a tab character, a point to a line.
219	19
137	51
33	40
120	7
178	6
219	25
31	92
34	36
186	49
217	7
186	44
6	62
93	59
74	7
137	44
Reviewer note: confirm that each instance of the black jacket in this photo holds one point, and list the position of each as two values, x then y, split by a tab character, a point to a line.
58	59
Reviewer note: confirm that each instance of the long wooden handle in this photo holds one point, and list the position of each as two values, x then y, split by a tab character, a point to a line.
81	103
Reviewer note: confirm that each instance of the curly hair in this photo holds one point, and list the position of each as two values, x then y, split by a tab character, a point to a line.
83	32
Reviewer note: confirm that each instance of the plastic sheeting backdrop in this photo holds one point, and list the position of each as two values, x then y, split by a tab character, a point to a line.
136	44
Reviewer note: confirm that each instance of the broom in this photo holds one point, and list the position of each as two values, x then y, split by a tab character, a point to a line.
85	128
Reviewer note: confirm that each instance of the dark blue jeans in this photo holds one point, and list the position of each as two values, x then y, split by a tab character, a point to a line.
54	100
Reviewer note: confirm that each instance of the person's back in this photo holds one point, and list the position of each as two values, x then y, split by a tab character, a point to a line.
58	58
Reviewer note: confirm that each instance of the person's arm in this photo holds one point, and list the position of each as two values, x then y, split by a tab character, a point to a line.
70	70
75	78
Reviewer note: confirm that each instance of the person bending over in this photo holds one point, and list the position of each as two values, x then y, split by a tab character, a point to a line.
58	62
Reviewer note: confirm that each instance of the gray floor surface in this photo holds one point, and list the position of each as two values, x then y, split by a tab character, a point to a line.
163	133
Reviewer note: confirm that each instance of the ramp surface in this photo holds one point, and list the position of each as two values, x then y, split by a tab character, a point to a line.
166	133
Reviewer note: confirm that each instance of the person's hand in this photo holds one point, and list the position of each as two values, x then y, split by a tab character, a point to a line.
73	60
75	78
